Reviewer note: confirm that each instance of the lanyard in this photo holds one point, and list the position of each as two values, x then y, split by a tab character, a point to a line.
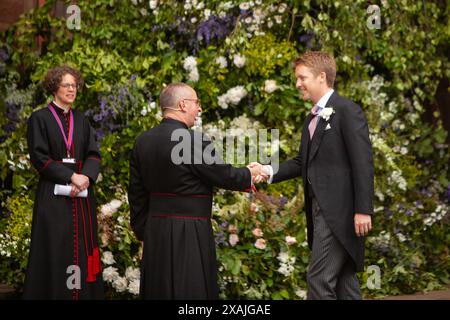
67	141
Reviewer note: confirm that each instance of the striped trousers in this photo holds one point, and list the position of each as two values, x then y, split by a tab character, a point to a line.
331	272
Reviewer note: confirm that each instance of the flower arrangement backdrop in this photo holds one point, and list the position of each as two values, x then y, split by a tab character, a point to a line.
237	55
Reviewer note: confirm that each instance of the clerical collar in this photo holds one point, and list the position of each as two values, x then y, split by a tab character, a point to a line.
61	108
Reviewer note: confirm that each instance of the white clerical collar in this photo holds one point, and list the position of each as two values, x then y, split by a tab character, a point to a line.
323	101
65	111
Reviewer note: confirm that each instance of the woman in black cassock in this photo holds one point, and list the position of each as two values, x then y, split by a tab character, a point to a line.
64	259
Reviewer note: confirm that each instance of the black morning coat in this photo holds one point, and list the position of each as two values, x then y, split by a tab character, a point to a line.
338	165
170	210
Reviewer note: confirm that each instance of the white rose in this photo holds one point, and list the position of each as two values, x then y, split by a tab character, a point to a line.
189	63
222	101
270	86
193	75
110	274
222	62
239	60
132	273
133	287
120	284
153	4
108	258
115	204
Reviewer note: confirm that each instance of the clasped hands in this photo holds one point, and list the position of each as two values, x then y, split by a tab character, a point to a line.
79	183
260	173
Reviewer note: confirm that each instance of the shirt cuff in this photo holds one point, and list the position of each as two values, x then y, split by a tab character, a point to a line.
270	170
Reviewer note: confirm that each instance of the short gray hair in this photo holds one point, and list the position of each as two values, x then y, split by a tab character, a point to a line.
172	94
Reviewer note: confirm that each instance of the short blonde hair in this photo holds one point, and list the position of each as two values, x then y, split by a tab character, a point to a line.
319	62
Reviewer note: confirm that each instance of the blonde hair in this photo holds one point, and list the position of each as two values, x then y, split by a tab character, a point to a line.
319	62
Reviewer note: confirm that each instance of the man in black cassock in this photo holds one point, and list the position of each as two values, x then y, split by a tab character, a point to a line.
171	202
64	261
336	164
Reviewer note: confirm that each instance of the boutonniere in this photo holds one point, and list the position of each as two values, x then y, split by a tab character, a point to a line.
326	113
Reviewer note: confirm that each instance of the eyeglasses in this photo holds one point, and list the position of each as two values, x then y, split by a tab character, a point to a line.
197	101
68	85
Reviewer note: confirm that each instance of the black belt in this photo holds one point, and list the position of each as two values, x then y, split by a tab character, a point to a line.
176	205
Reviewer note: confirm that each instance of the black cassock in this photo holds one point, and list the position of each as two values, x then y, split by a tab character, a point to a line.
64	229
171	208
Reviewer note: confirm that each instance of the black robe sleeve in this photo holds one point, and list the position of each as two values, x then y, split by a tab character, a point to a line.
138	198
91	162
215	172
38	147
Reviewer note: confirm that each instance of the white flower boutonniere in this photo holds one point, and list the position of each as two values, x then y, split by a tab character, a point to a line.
326	113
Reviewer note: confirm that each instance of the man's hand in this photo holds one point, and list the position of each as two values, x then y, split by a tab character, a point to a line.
259	172
80	181
75	190
363	224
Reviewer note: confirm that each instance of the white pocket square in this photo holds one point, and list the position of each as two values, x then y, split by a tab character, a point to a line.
328	127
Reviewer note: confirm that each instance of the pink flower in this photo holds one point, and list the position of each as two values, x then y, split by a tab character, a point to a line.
290	240
260	244
233	239
257	232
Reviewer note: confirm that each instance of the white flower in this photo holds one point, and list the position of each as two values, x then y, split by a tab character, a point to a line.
193	75
270	24
207	13
187	6
222	101
244	6
270	86
238	60
236	94
401	237
222	62
193	20
257	232
153	4
132	273
278	19
153	105
282	8
110	274
248	20
283	257
260	244
120	284
200	6
234	239
232	96
134	2
301	294
326	113
144	111
108	258
190	63
133	287
143	11
290	240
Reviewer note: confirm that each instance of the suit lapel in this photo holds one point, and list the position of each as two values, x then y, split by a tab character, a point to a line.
320	129
305	139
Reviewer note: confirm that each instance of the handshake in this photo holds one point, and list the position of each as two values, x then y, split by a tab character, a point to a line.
260	172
